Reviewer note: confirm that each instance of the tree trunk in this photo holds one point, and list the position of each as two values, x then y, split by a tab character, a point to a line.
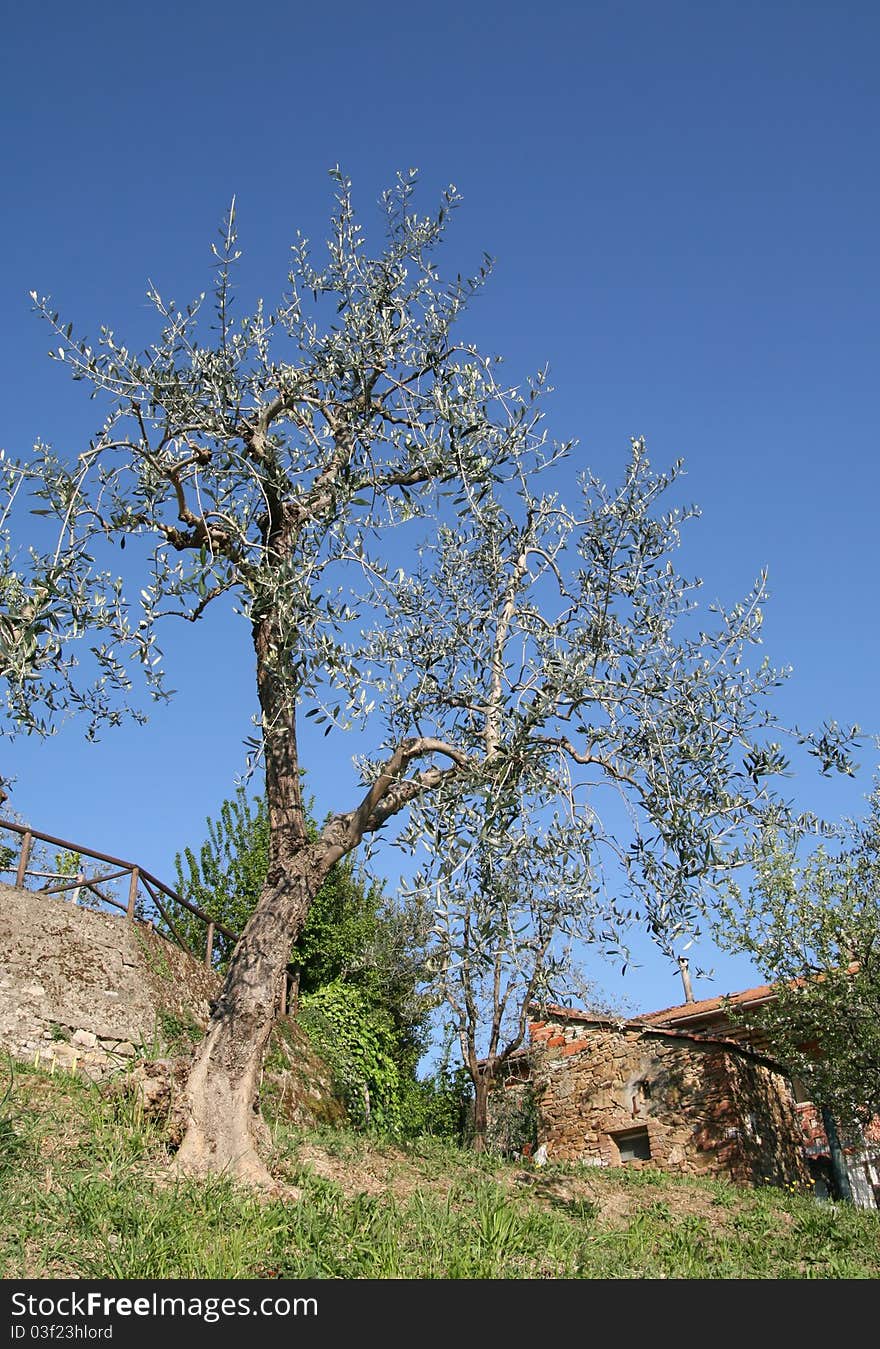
837	1156
481	1112
225	1126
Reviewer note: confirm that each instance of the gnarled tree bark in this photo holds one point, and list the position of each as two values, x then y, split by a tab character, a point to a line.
225	1128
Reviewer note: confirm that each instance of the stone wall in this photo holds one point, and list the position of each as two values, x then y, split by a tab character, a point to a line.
606	1090
91	990
93	993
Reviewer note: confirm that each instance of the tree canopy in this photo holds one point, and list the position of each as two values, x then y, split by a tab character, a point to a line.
812	925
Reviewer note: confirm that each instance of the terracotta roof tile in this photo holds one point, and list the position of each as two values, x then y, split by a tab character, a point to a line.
647	1027
687	1011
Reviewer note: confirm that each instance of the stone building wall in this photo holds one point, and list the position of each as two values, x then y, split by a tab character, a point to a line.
608	1093
89	989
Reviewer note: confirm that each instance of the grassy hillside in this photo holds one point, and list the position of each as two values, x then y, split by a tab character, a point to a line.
84	1193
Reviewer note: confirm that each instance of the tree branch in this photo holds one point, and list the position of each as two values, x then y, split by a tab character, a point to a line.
391	792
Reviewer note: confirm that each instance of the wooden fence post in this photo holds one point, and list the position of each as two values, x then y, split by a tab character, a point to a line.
132	892
26	841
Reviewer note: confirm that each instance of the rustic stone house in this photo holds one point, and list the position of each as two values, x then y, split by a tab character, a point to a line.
712	1016
686	1089
611	1093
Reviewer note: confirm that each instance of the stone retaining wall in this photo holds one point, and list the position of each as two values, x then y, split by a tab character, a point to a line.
91	990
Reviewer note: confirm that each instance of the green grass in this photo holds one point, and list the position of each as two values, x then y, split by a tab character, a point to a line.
84	1192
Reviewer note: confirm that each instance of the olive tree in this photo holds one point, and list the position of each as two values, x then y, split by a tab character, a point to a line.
811	924
619	754
509	913
336	467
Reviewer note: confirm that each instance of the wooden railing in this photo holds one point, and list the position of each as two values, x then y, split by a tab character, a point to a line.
160	896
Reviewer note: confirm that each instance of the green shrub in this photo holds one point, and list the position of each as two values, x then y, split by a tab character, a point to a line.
438	1106
357	1042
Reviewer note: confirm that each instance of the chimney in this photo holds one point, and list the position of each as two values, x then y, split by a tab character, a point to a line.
686	978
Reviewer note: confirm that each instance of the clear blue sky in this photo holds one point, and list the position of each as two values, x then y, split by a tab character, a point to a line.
682	199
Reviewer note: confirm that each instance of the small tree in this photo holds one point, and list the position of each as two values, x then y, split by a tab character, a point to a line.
280	459
510	907
813	928
226	874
